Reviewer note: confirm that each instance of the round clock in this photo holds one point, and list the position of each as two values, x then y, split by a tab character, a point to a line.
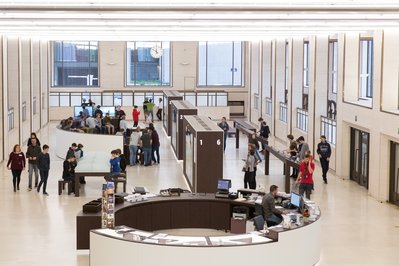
156	51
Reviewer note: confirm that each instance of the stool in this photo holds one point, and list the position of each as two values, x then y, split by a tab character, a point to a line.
61	186
121	178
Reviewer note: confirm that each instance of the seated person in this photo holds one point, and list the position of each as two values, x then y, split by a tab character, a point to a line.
108	125
68	172
99	123
271	214
115	166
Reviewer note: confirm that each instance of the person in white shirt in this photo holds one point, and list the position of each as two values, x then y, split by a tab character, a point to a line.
133	146
90	122
123	123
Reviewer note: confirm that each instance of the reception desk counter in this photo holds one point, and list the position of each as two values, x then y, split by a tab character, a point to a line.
187	211
298	246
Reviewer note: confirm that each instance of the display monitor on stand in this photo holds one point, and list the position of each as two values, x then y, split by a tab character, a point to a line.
223	188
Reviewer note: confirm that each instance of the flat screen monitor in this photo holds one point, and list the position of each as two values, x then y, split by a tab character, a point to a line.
108	109
295	199
78	109
259	222
224	184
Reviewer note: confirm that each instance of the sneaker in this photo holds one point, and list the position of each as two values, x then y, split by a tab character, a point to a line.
325	181
38	190
29	189
45	194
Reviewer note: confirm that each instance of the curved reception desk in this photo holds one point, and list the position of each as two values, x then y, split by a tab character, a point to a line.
91	142
135	242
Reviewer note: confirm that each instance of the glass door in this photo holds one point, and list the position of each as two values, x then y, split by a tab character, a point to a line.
394	174
360	141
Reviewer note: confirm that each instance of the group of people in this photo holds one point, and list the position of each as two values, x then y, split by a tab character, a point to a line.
38	162
299	150
148	108
144	144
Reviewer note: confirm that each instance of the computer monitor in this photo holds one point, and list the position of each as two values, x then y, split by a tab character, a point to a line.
295	200
108	109
78	109
259	222
224	184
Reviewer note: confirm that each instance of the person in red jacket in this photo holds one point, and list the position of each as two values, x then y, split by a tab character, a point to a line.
305	176
16	163
136	114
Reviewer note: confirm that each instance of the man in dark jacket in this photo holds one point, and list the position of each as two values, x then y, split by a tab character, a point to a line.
223	125
68	172
32	153
43	163
324	152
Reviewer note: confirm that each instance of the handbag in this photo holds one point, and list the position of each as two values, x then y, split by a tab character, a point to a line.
244	168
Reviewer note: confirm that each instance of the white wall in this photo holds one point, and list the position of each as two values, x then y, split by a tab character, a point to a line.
24	72
381	120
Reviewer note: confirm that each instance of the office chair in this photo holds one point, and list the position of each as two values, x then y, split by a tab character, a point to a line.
259	211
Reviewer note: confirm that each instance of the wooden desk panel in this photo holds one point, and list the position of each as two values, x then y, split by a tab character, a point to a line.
161	215
179	215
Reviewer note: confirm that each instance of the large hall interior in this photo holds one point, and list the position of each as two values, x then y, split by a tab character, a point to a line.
326	72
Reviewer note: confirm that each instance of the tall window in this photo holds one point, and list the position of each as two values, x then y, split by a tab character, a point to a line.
286	64
366	69
148	64
332	79
305	89
220	64
333	66
75	64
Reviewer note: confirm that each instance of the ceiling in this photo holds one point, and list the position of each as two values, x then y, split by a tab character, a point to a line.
185	20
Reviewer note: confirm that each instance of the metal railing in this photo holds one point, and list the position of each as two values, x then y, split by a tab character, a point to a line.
283	112
302	119
329	129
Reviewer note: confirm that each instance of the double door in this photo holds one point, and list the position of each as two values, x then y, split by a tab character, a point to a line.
359	163
394	174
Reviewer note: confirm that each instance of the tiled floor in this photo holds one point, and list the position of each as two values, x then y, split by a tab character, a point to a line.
38	230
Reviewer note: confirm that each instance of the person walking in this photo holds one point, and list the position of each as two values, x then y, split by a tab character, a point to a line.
16	163
249	178
32	153
43	163
305	176
324	152
133	145
225	126
159	112
136	115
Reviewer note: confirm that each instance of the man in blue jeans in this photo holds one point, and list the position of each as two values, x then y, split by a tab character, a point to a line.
146	144
270	213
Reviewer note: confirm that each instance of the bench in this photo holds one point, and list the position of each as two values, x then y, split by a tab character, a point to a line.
121	178
61	186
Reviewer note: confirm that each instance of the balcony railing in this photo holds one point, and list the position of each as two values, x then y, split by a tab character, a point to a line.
329	129
283	111
302	119
134	98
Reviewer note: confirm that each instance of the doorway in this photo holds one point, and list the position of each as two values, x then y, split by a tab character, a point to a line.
359	164
394	174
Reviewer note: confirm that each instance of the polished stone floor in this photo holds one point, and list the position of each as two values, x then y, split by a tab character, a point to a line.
40	230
